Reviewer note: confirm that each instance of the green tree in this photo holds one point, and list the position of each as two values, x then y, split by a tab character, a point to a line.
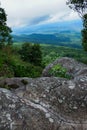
36	57
84	32
31	53
78	5
5	31
25	52
81	7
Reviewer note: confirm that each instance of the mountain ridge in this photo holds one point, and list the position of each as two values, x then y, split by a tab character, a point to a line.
61	33
75	25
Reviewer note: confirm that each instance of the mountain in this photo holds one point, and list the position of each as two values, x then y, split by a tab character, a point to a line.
61	33
50	28
61	39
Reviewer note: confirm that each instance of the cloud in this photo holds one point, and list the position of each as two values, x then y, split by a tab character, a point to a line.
40	19
29	12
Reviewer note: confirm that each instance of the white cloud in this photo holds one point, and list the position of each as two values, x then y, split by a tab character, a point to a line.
23	12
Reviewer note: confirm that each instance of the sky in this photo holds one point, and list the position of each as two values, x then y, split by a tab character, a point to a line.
21	13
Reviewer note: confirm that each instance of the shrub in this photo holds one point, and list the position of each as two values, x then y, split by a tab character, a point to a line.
12	66
6	71
59	71
26	70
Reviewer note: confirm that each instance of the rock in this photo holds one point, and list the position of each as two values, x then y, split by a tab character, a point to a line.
46	103
19	114
14	83
73	67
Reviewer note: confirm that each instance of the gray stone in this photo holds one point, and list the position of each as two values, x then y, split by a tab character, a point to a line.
46	103
74	68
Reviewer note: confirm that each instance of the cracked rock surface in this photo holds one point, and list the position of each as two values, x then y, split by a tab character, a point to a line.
46	103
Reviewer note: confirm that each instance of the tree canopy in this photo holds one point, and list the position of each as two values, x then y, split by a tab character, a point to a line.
78	5
5	36
84	32
81	7
31	53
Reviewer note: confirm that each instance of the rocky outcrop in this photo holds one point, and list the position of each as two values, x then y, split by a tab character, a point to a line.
46	103
74	68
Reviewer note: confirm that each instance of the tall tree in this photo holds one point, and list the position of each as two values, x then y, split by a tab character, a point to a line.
36	57
81	7
26	51
84	32
31	53
78	5
5	36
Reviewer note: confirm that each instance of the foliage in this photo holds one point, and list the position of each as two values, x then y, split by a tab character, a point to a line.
5	31
78	5
69	38
84	32
51	53
5	69
31	53
36	57
12	66
59	71
81	7
27	70
25	51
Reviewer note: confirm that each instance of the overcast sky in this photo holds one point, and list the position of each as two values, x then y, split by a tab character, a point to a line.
31	12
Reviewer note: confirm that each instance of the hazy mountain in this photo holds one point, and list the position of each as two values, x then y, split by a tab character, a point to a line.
51	28
61	33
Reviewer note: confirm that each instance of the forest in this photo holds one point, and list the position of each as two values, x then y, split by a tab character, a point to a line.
29	60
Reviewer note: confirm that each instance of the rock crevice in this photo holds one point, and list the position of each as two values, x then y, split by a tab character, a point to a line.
46	103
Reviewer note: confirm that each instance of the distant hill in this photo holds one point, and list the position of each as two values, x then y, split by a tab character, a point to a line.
61	39
61	33
42	38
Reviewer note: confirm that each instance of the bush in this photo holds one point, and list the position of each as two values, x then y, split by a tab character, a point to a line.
12	66
59	71
27	71
6	71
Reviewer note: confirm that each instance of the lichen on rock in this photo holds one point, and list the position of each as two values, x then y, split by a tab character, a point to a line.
46	103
